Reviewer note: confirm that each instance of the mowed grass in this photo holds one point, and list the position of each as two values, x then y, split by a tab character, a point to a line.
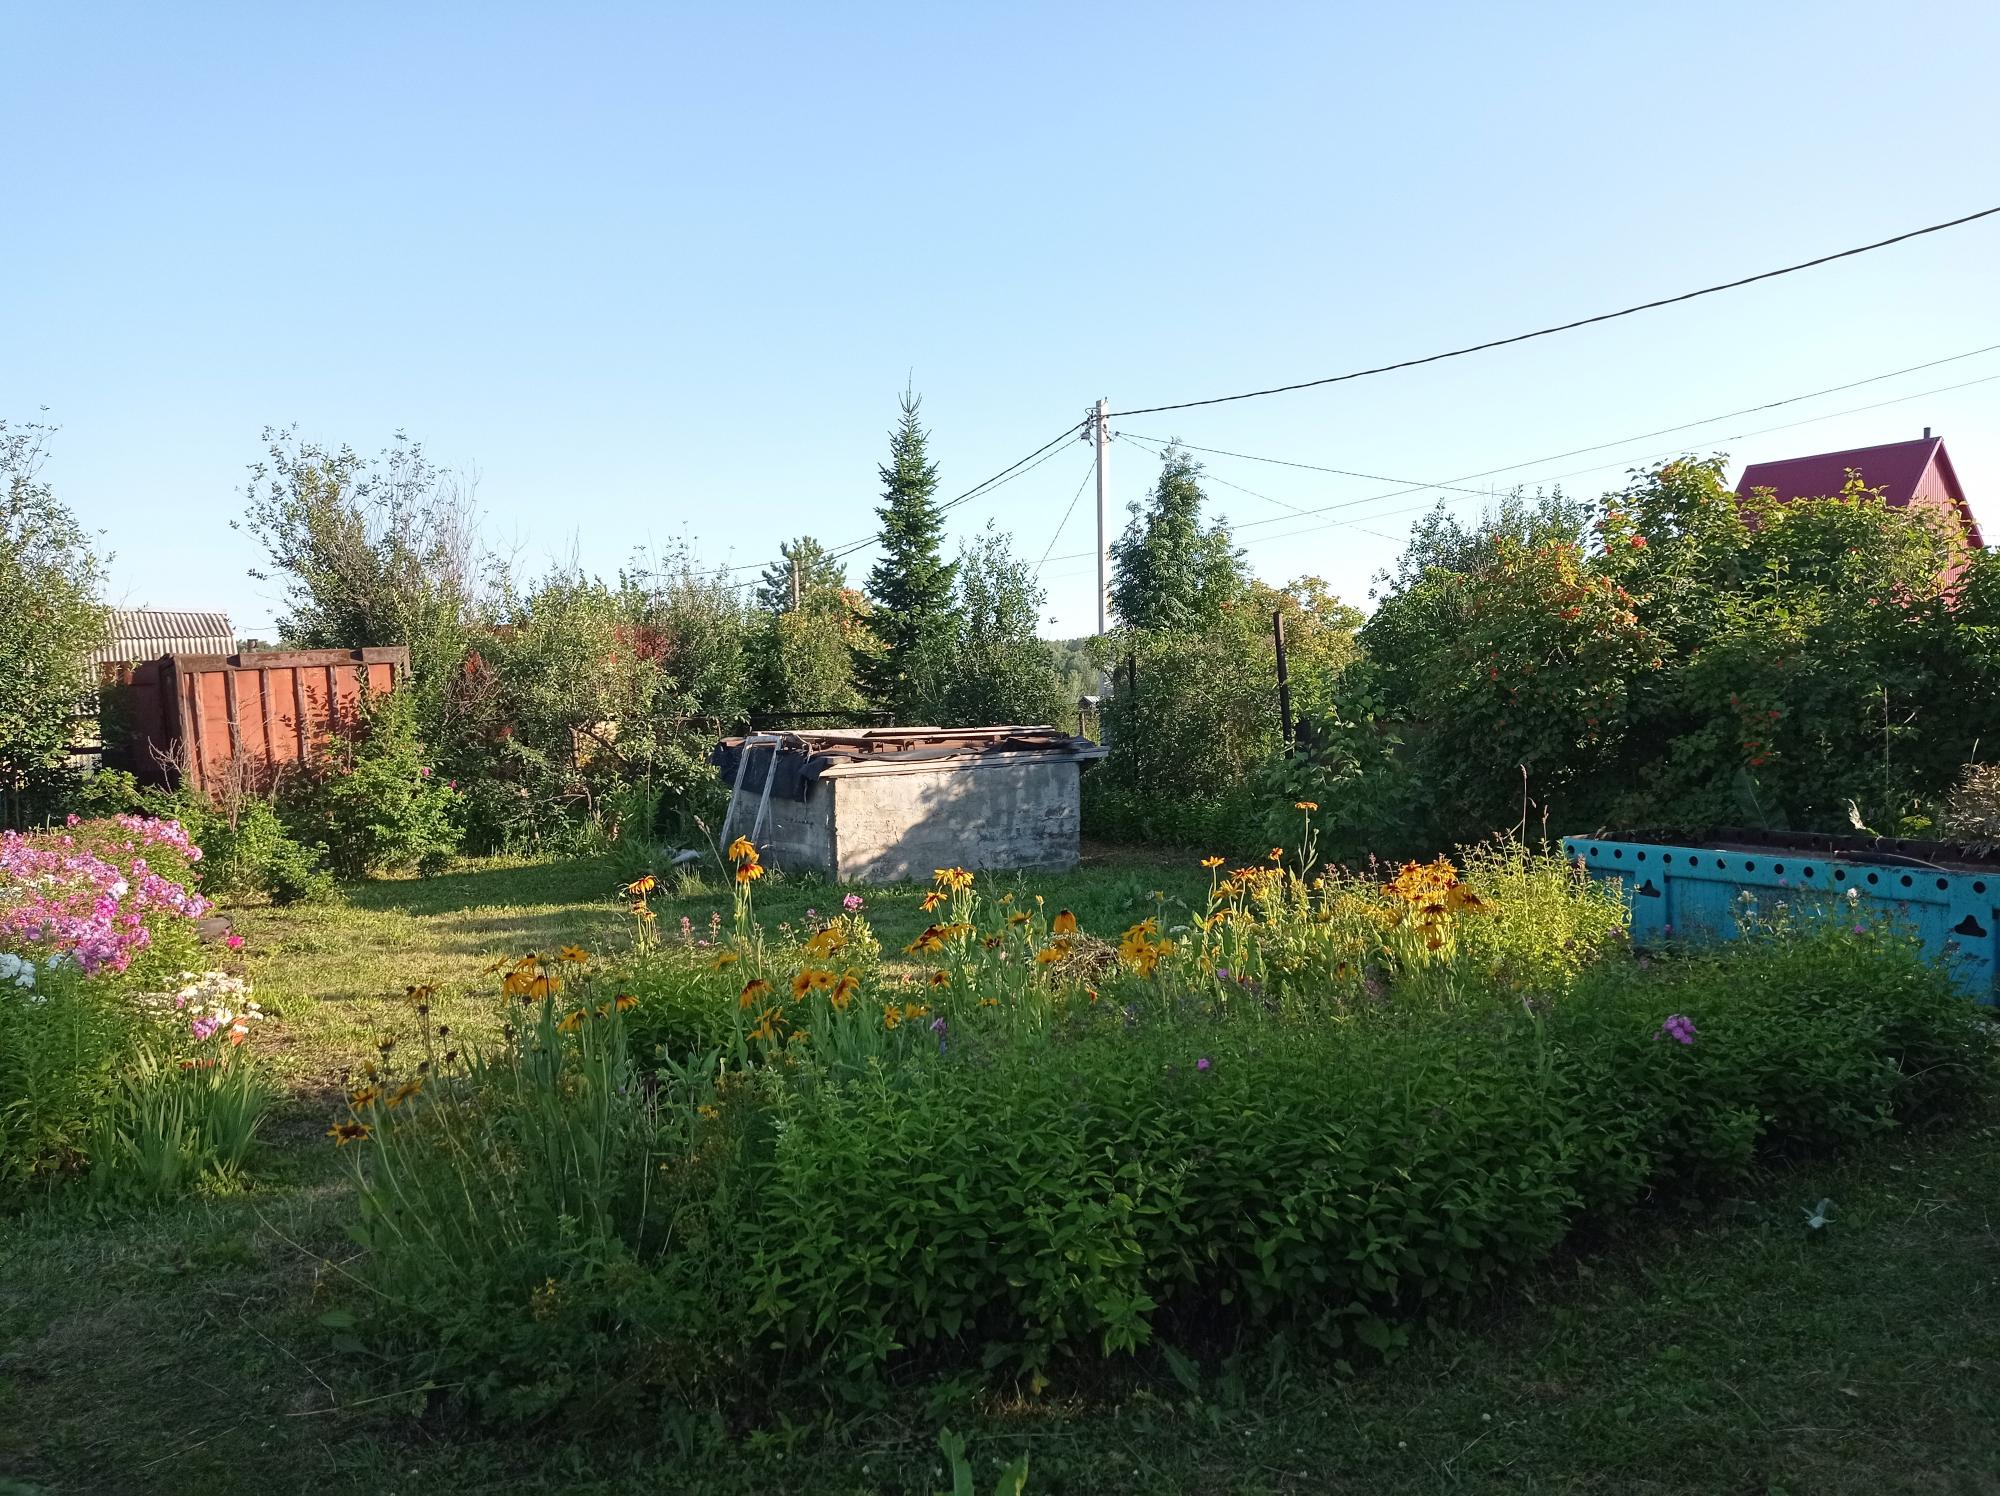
1734	1349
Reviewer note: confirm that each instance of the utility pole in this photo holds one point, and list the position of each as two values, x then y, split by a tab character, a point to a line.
795	582
1101	432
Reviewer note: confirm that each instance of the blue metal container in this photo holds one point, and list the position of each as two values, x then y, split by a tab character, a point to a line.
1697	893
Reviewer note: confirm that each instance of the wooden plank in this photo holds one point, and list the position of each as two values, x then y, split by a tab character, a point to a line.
235	710
264	708
195	746
299	721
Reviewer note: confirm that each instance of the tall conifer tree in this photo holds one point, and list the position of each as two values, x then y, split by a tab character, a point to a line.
911	585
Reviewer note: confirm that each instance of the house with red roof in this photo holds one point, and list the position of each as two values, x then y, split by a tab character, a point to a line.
1908	473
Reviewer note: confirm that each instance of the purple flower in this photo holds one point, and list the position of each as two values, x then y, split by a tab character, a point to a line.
851	903
1679	1027
1860	929
234	942
203	1028
812	914
1202	1063
938	1025
1222	973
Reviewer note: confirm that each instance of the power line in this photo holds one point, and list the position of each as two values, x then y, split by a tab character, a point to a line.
1005	475
1412	486
1088	470
1664	451
1575	472
1543	332
1832	389
1341	472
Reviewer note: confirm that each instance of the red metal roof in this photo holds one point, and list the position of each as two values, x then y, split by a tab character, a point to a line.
1919	470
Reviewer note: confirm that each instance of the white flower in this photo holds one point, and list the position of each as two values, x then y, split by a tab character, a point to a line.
1854	893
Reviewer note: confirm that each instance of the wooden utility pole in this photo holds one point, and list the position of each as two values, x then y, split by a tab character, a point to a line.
1284	676
795	584
1102	434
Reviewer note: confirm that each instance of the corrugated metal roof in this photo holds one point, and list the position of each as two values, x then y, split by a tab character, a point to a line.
148	633
1902	470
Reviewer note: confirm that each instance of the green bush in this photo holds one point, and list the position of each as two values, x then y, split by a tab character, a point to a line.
61	1050
247	851
372	803
1160	1162
173	1125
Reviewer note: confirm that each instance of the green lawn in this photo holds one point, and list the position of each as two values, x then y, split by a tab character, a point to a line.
1735	1350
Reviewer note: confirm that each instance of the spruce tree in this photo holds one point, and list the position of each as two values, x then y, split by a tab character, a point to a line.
911	585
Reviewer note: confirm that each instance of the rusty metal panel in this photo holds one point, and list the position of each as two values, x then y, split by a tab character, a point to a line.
222	722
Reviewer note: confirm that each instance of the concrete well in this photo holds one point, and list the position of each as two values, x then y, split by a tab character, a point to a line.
887	805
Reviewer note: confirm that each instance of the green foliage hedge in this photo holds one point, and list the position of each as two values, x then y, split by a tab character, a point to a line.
1140	1175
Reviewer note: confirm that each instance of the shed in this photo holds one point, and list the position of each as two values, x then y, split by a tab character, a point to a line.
1915	473
891	804
135	634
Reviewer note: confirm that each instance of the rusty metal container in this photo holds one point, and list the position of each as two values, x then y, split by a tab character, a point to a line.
217	722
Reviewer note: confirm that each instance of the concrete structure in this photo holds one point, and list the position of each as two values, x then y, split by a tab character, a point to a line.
888	805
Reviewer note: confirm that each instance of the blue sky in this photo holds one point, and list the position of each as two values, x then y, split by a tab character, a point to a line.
660	271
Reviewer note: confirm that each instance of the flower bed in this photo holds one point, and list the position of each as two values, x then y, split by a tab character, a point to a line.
1314	1103
116	1044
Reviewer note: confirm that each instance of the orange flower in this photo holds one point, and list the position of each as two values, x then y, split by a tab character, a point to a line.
930	901
344	1133
844	989
940	978
576	955
1211	862
643	886
571	1022
742	850
749	872
722	959
928	943
1305	805
1063	924
1276	854
753	989
624	1002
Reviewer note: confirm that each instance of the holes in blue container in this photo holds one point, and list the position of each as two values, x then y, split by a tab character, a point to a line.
1943	883
1721	862
1979	888
1874	878
1642	856
1666	857
1595	850
1968	926
1777	867
1647	890
1749	867
1908	881
1807	873
1617	851
1840	875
